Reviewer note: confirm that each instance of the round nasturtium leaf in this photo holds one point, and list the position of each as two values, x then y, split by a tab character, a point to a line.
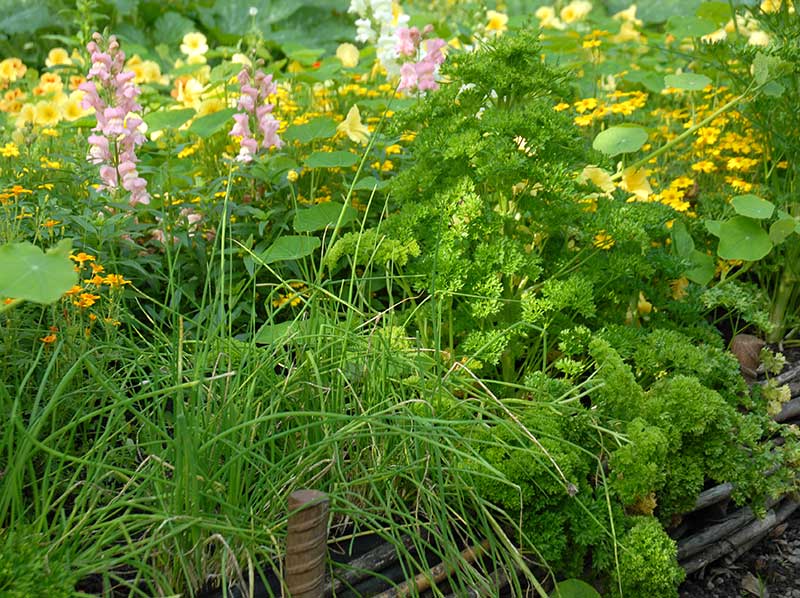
752	206
574	588
620	140
781	229
742	238
26	272
687	81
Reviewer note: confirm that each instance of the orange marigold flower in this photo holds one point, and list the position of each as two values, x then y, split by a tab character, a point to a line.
115	280
86	300
82	257
50	338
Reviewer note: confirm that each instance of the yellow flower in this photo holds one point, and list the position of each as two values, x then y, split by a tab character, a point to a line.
635	181
643	306
627	33
591	43
9	150
739	184
603	240
82	257
46	114
628	15
194	44
561	106
679	287
598	177
242	59
348	55
498	22
584	120
548	19
292	176
115	280
586	104
72	109
758	38
740	163
575	11
706	166
771	5
352	126
85	300
57	57
12	69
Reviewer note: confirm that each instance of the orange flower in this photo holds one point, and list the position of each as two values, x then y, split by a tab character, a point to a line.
86	300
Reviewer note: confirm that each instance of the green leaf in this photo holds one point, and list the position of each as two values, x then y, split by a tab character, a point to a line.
681	26
655	11
650	80
714	227
368	183
323	215
681	240
168	119
207	125
30	274
687	81
574	588
781	229
702	270
269	334
752	206
290	247
301	54
621	139
742	238
338	159
319	128
170	28
717	12
764	67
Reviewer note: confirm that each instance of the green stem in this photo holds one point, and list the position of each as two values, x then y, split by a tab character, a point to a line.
685	135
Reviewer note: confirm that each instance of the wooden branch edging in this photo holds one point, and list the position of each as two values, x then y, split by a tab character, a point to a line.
740	541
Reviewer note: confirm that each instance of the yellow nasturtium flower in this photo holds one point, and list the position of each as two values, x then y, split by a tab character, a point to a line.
348	55
57	57
497	22
194	44
353	127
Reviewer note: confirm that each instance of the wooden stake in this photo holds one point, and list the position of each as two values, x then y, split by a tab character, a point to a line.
306	544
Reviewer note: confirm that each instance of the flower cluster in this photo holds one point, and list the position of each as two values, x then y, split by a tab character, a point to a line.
378	23
253	106
111	92
419	75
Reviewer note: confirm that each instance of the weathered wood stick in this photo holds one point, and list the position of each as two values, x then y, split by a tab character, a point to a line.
437	574
712	496
306	544
788	376
366	565
790	410
694	544
497	580
781	515
739	538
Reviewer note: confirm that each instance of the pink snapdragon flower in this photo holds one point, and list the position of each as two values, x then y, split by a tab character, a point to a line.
111	92
420	74
255	121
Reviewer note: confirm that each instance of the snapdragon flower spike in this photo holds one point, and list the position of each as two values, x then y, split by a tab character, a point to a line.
254	109
420	75
110	91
